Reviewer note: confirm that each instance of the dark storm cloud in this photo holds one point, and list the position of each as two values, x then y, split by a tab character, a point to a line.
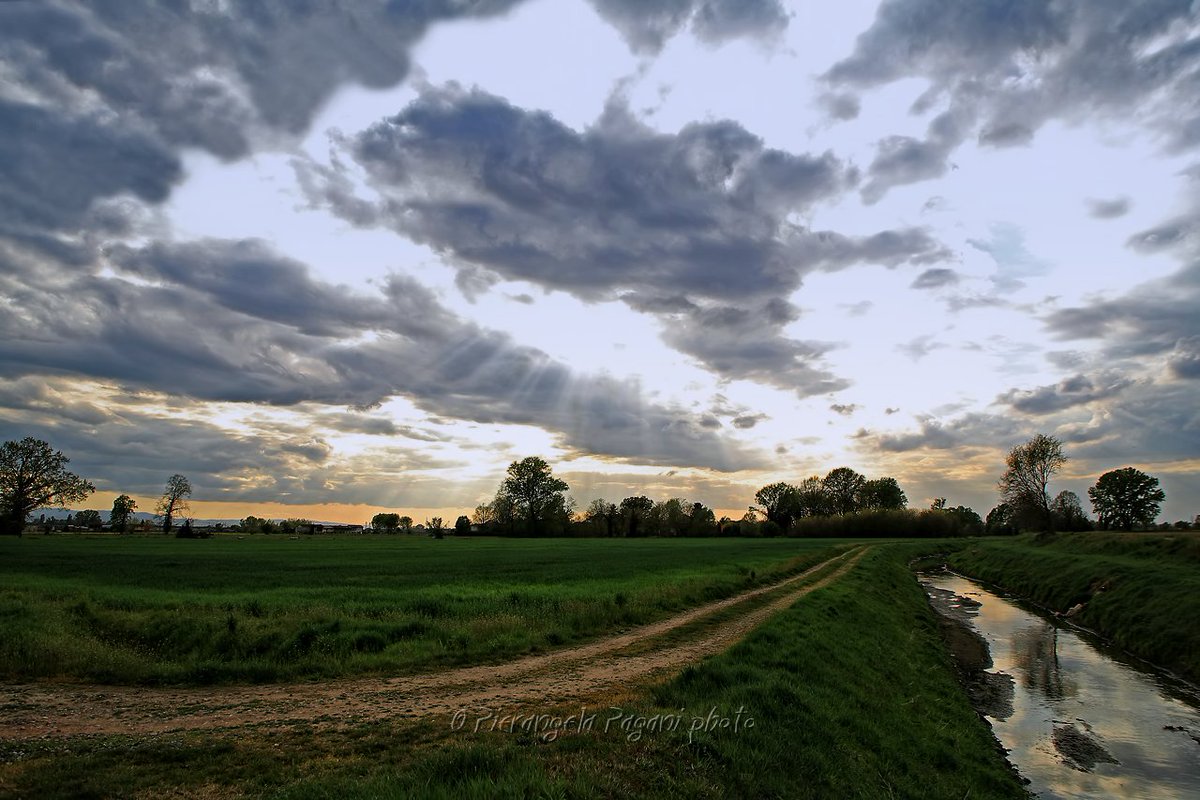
1109	209
1150	421
648	24
53	166
185	329
691	225
130	451
1074	391
1185	359
111	92
618	206
1151	320
747	421
970	430
748	344
1006	68
1171	235
841	106
935	278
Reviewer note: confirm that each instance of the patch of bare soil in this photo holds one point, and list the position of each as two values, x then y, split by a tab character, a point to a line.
570	675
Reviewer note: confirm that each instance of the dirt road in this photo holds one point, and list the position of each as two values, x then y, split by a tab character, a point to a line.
571	675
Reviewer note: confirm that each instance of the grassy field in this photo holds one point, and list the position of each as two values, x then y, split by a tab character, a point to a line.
850	693
1140	590
164	610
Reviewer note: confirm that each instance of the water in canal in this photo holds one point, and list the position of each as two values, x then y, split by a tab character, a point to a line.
1082	722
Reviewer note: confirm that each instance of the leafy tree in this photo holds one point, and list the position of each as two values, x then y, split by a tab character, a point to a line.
434	527
295	525
843	486
1000	521
174	500
1125	498
603	515
668	518
89	519
484	515
938	504
533	493
386	523
462	526
33	476
812	501
254	524
780	502
967	522
406	523
701	520
634	511
1023	485
122	510
1068	512
882	494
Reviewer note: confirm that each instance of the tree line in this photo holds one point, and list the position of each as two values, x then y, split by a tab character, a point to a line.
532	501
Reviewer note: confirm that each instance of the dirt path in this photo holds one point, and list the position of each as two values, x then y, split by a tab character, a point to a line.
572	675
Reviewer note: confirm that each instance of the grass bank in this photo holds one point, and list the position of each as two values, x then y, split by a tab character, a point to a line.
1140	590
846	694
164	610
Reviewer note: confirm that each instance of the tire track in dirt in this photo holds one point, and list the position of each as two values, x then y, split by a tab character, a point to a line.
570	675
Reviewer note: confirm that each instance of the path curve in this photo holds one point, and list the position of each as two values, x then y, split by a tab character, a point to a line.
571	675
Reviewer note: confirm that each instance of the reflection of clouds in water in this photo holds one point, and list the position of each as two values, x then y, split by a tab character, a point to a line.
1063	678
1035	654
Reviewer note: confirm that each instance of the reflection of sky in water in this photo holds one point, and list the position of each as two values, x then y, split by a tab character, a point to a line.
1062	679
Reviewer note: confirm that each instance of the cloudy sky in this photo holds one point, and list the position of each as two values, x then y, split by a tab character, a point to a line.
332	259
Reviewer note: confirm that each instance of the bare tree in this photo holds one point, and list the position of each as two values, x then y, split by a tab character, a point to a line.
1030	467
174	500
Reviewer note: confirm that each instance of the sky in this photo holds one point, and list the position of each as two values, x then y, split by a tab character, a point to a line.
333	259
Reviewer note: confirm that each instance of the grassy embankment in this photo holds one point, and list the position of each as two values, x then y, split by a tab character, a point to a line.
850	693
1140	590
137	610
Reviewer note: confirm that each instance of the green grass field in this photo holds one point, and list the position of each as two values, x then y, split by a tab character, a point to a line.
164	610
850	692
1140	590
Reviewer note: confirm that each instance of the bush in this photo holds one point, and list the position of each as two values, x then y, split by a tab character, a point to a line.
929	523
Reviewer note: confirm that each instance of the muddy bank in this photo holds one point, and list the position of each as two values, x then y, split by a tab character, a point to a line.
991	693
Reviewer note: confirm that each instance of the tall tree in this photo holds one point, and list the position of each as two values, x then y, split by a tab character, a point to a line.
780	502
33	475
1126	498
812	499
122	510
406	523
701	520
602	514
462	525
533	492
174	500
1023	485
843	487
882	494
385	523
1068	512
89	519
634	510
